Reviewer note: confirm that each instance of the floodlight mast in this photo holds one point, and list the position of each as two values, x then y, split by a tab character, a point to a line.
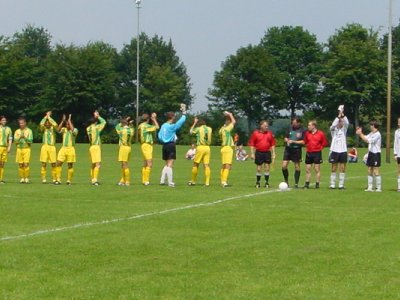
389	85
138	2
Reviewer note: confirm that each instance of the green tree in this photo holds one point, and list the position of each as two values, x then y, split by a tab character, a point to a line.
22	71
81	80
354	73
298	57
249	84
164	82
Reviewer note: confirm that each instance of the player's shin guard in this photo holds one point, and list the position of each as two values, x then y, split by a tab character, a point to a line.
96	172
258	177
70	174
43	172
21	172
54	173
147	174
225	175
266	177
342	177
58	173
127	175
27	172
285	173
370	182
195	171
333	180
207	173
297	176
378	182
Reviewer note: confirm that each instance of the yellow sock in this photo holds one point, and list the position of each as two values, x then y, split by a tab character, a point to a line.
91	173
27	172
1	173
122	175
207	173
58	173
70	174
54	173
195	171
21	172
222	175
226	175
147	173
144	174
127	175
96	172
43	172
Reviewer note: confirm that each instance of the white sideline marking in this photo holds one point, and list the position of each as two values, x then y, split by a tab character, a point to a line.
117	220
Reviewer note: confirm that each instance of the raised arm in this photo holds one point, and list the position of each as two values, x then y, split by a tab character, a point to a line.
154	120
61	123
194	124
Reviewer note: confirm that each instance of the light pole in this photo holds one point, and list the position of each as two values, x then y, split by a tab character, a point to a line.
137	66
389	85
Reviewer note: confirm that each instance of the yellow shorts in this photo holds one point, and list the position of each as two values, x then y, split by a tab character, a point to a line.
95	153
48	154
203	154
3	154
124	153
23	155
147	151
227	155
67	154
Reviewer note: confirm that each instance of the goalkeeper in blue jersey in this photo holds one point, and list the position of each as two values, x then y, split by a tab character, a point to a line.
167	137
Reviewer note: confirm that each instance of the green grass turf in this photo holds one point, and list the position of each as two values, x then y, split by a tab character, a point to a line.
300	244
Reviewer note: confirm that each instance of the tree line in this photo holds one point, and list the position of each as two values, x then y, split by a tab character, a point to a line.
287	72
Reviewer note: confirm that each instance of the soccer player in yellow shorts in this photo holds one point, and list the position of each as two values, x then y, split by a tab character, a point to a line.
5	145
225	134
203	141
93	131
125	133
48	151
67	151
23	138
146	133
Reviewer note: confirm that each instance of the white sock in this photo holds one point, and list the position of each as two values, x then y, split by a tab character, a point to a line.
341	179
333	179
169	175
378	182
163	174
398	182
370	181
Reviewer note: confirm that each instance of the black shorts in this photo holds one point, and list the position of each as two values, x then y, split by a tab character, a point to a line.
314	158
262	158
398	160
338	157
169	151
374	160
293	154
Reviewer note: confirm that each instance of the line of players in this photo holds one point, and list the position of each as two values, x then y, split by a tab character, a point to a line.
262	144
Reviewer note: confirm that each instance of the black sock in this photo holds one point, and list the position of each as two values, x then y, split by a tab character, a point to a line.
258	178
266	177
296	176
285	173
307	183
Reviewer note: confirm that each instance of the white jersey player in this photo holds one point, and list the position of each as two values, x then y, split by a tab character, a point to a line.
338	150
374	141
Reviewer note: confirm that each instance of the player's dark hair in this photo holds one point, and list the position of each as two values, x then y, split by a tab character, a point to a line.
124	121
145	117
170	115
297	119
92	120
2	117
201	122
263	121
375	124
21	119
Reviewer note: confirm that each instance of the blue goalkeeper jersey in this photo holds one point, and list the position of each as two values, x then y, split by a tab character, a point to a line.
167	133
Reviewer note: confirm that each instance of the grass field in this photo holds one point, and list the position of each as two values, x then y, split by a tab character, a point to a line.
110	242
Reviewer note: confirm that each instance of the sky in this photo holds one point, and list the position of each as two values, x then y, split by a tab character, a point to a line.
204	33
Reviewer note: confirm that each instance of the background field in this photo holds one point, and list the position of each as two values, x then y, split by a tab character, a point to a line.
252	244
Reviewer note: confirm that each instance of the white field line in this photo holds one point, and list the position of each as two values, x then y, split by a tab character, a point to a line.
117	220
140	216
